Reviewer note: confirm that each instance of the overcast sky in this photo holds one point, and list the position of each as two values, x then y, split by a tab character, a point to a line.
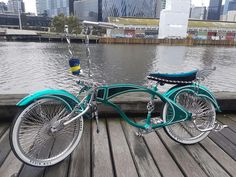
30	5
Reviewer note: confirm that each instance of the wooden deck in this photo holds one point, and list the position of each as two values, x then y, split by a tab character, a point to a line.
116	151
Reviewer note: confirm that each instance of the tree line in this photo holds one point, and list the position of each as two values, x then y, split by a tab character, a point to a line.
59	22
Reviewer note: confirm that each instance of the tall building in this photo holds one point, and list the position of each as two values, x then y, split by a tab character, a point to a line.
55	7
41	6
232	5
198	13
226	5
3	7
14	6
231	15
163	4
86	10
71	7
214	10
89	9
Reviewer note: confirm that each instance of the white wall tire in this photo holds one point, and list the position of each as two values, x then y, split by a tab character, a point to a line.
31	140
185	132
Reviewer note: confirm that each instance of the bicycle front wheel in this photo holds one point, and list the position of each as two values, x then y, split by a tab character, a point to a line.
191	131
31	137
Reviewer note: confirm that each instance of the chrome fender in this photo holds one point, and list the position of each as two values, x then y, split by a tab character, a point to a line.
200	91
61	94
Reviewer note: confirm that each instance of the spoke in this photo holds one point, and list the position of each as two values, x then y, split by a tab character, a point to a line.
36	141
199	107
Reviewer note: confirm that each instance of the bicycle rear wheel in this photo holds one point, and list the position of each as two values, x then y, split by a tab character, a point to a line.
191	131
32	140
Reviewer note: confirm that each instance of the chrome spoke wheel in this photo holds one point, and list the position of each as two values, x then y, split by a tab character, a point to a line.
203	118
36	138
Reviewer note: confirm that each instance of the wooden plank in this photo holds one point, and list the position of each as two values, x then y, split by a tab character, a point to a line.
52	148
186	162
225	119
62	140
11	166
10	99
101	157
11	96
80	165
30	171
224	143
4	146
161	156
219	155
143	160
232	117
3	127
58	170
207	163
210	166
229	134
123	162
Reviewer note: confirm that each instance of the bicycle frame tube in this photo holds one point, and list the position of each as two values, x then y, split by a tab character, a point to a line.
106	93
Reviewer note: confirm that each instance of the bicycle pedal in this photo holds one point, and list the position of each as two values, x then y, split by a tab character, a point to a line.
139	134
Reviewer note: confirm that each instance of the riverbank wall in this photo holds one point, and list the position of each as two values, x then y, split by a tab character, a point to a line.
54	37
186	42
130	104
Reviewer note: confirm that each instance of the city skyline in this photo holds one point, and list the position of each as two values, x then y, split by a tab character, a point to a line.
30	5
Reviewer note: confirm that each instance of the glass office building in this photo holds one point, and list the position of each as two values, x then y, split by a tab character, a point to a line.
14	6
55	7
41	6
214	10
232	6
132	8
99	10
86	10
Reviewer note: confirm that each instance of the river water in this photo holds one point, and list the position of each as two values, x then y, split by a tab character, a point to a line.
28	67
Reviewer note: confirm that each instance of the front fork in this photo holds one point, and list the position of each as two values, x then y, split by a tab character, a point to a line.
78	112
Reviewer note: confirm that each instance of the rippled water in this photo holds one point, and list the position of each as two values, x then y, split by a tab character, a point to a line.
27	67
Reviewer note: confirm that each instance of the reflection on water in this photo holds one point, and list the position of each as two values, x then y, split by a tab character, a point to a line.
27	67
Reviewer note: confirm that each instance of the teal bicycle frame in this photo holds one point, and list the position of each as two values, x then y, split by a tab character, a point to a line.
105	94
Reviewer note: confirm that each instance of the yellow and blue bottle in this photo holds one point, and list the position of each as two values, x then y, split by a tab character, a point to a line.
75	66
